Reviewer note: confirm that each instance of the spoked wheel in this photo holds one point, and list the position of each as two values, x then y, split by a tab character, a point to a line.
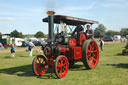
39	65
90	54
61	66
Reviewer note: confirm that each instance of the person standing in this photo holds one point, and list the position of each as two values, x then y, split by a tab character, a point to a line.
13	48
77	30
101	44
30	47
89	32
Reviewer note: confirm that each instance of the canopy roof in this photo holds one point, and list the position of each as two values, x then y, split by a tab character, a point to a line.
70	20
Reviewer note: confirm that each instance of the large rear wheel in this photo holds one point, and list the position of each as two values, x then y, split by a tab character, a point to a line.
90	54
61	66
39	65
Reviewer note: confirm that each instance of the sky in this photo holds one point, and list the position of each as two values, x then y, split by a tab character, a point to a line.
26	15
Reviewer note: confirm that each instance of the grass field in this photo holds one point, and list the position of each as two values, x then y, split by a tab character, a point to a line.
111	70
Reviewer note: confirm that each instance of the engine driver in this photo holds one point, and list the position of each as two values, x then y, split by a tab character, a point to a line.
78	29
89	32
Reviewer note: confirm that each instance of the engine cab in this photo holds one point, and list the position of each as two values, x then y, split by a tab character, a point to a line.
66	42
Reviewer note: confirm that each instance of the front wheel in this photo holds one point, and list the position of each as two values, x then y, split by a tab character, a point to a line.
39	65
61	66
90	54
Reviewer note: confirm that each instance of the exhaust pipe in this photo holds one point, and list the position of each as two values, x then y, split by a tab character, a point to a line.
50	25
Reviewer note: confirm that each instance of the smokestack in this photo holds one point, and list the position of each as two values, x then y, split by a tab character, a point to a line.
50	25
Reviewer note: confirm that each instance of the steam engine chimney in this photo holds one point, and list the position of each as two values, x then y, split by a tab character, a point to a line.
50	25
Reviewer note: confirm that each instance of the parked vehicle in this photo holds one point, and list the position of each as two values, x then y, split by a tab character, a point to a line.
5	40
18	41
36	43
108	38
127	37
1	46
116	37
24	44
43	42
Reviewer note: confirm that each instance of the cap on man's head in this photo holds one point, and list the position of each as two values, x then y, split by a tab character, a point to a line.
88	26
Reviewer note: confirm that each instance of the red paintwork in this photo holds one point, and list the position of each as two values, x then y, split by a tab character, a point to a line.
77	53
69	53
63	48
72	51
83	37
60	54
51	62
92	48
40	65
62	66
72	42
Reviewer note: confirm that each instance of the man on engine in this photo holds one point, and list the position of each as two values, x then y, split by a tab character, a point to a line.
78	29
89	32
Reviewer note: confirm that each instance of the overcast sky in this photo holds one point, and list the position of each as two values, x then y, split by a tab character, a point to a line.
26	15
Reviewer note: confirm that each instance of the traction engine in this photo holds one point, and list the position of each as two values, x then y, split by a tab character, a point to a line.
63	51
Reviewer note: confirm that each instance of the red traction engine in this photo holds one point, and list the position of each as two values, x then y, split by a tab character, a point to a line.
63	51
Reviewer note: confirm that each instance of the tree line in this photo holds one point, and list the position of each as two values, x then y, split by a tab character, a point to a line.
18	34
100	31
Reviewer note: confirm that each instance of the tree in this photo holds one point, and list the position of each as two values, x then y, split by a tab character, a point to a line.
46	35
17	34
99	31
112	33
39	34
124	31
0	33
29	35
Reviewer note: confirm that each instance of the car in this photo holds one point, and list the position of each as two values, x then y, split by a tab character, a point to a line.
127	37
116	37
1	46
24	44
36	43
43	42
6	46
108	38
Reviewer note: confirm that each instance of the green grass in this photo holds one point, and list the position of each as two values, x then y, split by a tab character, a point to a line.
111	70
